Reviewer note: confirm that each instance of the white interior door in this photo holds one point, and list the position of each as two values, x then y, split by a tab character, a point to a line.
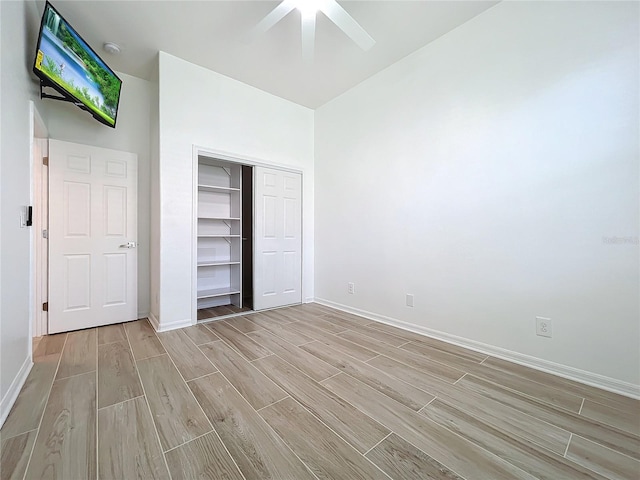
277	266
92	236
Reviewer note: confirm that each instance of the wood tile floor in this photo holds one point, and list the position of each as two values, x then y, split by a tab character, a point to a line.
205	314
304	392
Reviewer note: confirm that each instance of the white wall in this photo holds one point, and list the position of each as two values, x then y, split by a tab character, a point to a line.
481	174
132	134
154	167
18	33
201	107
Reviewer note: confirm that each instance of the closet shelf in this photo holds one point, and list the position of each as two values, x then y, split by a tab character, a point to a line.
217	292
204	217
218	236
204	263
214	188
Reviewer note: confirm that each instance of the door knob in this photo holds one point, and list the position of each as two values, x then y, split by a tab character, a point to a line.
128	245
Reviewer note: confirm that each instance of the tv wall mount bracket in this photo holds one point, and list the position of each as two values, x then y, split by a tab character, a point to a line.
63	98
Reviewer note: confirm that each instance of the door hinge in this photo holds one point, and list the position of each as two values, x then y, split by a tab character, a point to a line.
45	307
45	160
45	233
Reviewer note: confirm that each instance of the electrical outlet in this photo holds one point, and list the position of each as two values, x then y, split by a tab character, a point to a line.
409	300
351	288
543	327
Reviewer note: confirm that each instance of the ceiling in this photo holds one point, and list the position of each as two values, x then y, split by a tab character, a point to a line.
216	35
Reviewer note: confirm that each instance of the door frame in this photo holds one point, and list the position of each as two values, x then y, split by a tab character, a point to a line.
241	160
38	276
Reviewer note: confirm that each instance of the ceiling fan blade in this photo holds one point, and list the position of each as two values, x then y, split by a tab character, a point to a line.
347	24
308	37
282	10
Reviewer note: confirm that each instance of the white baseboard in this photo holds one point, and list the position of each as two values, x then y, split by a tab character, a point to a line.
154	321
309	300
165	327
582	376
12	394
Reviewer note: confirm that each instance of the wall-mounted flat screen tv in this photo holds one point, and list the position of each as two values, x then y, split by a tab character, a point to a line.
67	64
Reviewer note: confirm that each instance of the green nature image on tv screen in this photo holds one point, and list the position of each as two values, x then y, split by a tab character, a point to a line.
65	59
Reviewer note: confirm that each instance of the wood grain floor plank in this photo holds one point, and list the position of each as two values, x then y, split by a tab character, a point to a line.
201	459
453	451
621	441
296	313
511	420
326	454
315	308
425	341
238	341
49	345
419	362
255	387
199	334
544	393
243	324
439	356
400	391
276	316
129	446
401	460
603	460
79	355
291	336
624	420
188	358
408	335
340	322
302	360
351	424
462	352
323	324
66	442
143	339
337	342
117	374
532	458
258	451
14	455
344	316
578	389
111	333
378	335
27	411
176	414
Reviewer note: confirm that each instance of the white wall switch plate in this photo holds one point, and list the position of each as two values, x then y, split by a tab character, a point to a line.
409	300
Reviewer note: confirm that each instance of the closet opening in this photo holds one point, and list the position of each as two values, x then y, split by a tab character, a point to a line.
224	238
247	245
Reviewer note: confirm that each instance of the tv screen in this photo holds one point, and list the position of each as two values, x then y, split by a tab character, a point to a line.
66	63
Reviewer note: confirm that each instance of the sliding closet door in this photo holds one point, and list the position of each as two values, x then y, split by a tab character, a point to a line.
277	268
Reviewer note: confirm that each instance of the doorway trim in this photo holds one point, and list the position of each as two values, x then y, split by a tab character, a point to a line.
241	160
38	136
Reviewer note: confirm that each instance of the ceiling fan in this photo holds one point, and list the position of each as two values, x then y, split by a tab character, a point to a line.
308	12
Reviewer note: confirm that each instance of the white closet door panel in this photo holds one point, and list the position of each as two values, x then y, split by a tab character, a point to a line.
278	238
